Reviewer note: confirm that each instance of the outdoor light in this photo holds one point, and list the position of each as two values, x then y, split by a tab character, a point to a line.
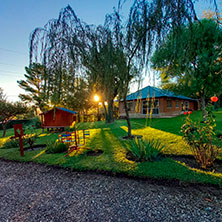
96	98
214	99
106	103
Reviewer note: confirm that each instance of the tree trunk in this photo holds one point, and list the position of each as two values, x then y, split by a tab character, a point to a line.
110	112
4	129
105	110
127	117
203	106
78	117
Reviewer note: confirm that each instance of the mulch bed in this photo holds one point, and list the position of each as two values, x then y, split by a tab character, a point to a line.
191	162
35	147
94	153
187	159
132	137
129	156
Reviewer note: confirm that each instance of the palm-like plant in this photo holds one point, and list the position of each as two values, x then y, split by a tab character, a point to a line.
145	150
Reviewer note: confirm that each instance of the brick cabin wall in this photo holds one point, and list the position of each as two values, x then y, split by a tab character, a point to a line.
163	109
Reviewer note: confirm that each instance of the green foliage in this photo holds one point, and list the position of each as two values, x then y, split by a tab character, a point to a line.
9	110
2	95
54	147
29	138
200	138
13	143
30	135
191	57
145	150
35	85
35	122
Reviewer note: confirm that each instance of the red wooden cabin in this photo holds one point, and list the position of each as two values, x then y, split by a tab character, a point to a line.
57	118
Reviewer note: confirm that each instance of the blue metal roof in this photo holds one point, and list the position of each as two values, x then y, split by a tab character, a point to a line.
150	92
67	110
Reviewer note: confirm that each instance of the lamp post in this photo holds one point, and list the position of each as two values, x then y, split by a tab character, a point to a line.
96	99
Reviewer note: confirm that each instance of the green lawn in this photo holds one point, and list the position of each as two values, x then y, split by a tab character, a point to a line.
108	137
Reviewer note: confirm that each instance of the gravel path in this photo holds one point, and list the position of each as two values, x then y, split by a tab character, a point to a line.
31	192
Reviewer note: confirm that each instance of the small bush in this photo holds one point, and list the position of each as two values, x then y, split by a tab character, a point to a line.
145	150
30	135
54	147
13	143
35	123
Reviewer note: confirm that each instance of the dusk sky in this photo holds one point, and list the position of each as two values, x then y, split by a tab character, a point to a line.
19	17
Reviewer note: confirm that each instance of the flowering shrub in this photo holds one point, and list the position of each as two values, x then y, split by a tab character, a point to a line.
200	136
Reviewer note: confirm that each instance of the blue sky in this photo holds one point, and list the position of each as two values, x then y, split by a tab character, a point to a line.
19	17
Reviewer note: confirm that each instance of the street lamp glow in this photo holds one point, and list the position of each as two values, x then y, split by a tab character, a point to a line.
96	98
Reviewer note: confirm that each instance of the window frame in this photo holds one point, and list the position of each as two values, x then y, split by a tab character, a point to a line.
129	106
156	108
177	104
169	107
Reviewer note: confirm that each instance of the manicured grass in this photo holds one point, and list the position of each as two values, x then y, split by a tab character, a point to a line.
108	137
171	125
9	132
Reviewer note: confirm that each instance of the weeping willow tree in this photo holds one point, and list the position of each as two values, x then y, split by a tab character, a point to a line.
100	58
52	46
66	46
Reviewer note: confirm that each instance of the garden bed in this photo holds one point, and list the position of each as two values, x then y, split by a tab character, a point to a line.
94	153
35	147
191	162
132	137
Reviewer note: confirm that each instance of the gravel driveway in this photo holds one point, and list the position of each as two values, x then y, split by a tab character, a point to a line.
31	192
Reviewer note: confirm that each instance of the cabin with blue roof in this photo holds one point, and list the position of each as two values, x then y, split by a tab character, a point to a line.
58	118
159	102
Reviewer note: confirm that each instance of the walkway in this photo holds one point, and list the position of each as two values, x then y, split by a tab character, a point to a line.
31	192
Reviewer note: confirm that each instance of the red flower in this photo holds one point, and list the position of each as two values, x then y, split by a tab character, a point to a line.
185	113
32	125
214	99
189	112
